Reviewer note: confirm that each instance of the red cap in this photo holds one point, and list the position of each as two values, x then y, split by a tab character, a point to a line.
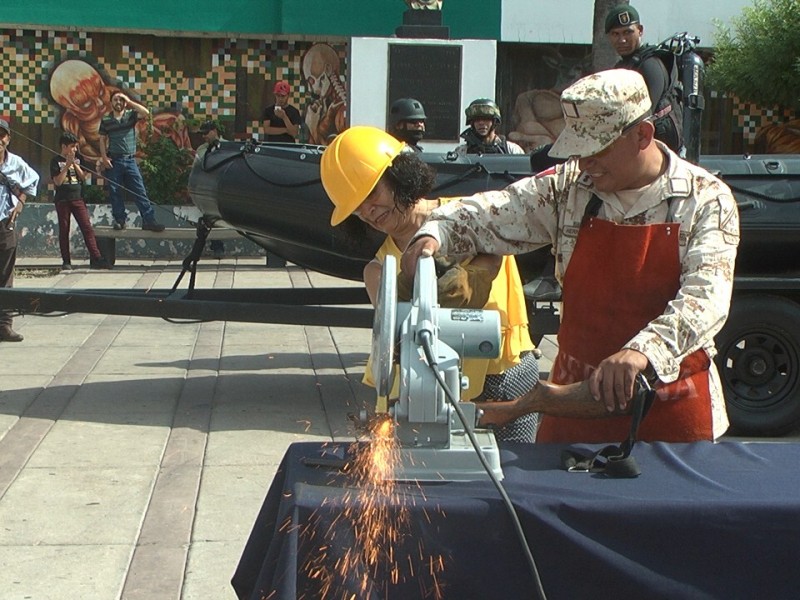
282	88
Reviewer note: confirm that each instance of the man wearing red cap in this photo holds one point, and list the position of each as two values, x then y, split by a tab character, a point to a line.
282	119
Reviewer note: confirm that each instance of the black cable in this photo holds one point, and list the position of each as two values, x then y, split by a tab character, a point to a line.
427	347
97	174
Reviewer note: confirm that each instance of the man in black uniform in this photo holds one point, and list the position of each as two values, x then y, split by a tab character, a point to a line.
624	31
407	117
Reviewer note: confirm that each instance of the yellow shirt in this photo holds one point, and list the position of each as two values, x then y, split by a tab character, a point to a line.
506	297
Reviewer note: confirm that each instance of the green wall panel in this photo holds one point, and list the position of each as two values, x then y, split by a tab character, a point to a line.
242	16
473	19
348	18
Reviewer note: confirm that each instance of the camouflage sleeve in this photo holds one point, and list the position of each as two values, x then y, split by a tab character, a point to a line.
701	305
518	219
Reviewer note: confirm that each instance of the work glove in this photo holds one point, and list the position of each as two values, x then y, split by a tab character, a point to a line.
462	286
405	288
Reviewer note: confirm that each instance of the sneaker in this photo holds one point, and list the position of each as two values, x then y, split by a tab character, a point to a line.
99	263
66	266
119	225
152	226
9	335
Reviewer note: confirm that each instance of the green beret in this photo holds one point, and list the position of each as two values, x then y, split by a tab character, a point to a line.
621	16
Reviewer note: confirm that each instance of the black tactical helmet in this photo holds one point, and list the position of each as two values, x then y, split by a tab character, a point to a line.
482	107
406	109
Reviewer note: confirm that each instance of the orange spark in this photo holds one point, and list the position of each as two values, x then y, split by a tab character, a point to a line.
373	523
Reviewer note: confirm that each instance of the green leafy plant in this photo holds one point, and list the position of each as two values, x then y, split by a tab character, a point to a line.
196	124
165	170
94	194
757	60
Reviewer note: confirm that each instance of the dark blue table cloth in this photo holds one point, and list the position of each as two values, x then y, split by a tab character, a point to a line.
702	521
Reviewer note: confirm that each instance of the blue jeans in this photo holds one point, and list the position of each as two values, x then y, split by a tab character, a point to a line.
125	172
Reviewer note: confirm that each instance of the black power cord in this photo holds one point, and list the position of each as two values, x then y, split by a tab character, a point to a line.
427	347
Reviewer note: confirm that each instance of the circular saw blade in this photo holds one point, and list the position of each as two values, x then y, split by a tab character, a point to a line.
384	328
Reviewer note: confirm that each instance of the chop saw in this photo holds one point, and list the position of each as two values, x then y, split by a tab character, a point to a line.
434	443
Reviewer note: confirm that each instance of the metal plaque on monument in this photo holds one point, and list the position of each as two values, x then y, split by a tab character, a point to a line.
431	73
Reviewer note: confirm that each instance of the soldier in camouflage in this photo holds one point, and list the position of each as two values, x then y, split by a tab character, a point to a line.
481	136
645	245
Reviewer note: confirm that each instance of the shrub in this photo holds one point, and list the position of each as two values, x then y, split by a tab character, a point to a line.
94	194
165	169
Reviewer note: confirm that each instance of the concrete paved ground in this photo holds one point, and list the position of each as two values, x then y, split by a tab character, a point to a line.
135	453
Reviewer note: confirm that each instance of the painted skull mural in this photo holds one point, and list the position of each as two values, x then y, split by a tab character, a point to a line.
84	96
326	114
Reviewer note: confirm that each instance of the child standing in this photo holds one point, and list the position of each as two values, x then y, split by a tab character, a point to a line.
68	178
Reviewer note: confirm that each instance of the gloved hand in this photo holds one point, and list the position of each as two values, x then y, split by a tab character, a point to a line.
462	286
405	288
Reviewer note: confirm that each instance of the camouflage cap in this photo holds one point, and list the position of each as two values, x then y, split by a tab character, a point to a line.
597	110
621	16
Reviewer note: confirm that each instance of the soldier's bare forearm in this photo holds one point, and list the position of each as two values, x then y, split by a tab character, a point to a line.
573	400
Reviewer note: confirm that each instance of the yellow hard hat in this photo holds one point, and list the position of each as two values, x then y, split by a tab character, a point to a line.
352	165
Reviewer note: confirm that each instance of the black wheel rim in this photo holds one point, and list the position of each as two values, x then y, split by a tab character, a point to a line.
758	369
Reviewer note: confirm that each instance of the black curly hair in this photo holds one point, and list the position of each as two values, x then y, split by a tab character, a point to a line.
410	178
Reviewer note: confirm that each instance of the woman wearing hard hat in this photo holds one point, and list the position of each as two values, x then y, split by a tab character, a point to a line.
370	174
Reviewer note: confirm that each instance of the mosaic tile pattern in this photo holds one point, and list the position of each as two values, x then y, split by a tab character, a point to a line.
749	118
27	56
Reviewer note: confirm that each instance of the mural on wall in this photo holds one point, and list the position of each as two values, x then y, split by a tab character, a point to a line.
536	118
778	138
228	79
84	95
56	80
83	90
326	112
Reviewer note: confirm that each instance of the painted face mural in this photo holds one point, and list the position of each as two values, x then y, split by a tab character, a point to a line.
326	115
85	95
80	89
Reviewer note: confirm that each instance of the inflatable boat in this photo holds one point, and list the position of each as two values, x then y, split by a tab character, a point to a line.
272	194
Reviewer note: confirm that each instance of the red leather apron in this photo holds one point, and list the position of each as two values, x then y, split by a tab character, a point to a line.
621	277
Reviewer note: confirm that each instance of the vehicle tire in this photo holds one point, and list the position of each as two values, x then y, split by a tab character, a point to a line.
759	365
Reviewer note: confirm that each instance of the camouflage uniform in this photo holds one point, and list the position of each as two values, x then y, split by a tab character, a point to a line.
502	145
548	209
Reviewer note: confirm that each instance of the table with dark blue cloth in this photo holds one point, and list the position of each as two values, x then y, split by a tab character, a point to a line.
702	521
